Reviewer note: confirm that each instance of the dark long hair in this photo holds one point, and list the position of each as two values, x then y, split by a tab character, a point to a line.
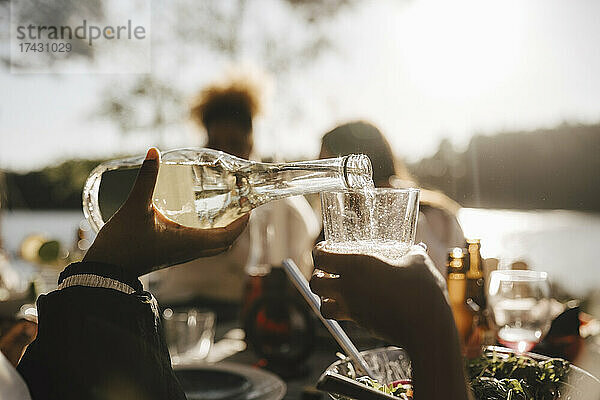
362	137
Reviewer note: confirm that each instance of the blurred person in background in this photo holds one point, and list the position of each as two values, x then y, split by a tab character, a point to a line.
438	227
226	112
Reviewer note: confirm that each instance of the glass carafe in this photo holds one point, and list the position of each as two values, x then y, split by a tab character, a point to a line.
206	188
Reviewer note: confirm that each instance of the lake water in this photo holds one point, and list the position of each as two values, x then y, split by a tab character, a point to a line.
563	243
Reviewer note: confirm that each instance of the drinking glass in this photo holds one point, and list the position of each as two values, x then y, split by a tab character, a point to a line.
189	334
378	222
519	300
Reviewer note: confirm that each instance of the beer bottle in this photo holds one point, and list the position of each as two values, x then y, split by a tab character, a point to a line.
482	333
457	292
475	279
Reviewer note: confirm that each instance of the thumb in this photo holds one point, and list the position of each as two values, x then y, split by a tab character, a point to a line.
140	196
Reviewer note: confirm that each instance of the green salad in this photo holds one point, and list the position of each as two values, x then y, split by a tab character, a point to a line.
516	377
494	376
400	389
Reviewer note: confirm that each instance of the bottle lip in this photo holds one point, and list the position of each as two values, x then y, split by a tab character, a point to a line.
356	161
375	190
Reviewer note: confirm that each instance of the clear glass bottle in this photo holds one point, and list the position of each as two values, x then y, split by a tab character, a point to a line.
206	188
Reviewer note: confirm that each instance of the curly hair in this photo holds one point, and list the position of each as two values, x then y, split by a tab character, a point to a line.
237	100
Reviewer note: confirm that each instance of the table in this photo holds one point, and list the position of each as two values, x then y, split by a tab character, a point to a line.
301	385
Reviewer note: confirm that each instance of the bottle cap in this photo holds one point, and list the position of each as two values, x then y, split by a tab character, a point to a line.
456	260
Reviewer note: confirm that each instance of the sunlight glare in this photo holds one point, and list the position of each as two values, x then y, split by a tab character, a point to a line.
460	49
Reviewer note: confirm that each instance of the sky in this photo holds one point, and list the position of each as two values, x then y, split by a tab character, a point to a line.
422	70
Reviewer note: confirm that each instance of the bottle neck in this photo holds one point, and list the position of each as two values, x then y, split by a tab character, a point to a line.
475	261
276	181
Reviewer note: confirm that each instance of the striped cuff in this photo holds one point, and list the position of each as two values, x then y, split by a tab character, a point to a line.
105	273
91	280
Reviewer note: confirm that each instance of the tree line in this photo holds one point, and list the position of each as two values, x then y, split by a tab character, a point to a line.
555	168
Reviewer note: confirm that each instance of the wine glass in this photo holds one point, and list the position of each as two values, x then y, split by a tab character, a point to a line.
520	303
189	334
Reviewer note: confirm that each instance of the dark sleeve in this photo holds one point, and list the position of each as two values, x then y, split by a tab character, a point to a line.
97	343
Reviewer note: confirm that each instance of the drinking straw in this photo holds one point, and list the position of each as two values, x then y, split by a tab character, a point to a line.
334	328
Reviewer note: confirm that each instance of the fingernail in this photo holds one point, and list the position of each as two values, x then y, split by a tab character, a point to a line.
153	154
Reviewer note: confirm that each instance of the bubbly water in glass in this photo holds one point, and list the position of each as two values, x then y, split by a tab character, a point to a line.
379	222
386	250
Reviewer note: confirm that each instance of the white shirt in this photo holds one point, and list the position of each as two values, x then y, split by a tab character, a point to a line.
223	277
12	385
440	231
